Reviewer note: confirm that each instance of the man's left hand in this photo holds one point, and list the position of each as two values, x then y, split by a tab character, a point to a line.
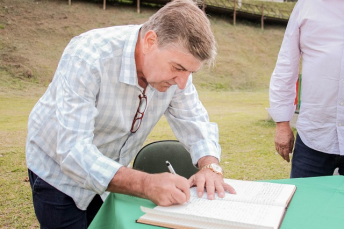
211	181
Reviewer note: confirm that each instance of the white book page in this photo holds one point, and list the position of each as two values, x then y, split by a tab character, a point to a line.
219	212
256	192
177	220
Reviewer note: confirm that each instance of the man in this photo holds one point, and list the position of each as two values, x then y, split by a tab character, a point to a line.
111	87
315	33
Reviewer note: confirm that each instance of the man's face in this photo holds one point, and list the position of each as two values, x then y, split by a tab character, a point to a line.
168	66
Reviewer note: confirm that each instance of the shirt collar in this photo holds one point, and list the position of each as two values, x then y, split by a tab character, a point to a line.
128	72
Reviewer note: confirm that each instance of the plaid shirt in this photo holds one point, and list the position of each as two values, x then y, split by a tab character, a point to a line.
79	131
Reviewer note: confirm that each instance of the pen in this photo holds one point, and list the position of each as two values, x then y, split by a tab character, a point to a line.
169	166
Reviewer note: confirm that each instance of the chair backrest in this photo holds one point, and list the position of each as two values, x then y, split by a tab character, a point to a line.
152	158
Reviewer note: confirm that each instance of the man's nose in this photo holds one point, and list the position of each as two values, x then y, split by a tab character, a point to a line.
182	79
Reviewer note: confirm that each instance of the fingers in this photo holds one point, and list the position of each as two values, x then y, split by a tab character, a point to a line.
210	186
183	189
284	140
219	188
200	182
167	189
229	188
192	181
212	182
285	149
178	190
176	197
291	143
284	152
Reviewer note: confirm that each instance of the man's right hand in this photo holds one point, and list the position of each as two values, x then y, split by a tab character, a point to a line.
166	189
284	139
163	189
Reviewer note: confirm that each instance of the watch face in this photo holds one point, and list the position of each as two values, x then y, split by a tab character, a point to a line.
217	168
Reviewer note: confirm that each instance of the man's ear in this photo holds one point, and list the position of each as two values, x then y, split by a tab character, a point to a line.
150	39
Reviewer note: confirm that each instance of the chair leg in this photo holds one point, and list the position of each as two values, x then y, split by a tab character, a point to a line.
104	5
69	2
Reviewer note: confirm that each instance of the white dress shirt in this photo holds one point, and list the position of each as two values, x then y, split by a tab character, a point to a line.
79	131
315	32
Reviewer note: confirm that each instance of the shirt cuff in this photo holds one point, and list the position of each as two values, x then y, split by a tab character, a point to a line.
100	174
205	148
282	114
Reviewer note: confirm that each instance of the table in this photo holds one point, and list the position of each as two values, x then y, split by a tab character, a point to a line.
317	203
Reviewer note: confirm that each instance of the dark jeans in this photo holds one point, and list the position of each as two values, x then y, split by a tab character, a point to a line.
54	209
307	162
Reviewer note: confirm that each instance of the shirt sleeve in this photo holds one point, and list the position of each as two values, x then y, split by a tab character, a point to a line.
78	86
189	122
282	91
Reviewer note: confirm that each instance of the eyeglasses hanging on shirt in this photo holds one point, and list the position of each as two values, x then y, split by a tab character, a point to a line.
140	112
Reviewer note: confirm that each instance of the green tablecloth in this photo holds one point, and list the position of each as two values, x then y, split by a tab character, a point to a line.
317	203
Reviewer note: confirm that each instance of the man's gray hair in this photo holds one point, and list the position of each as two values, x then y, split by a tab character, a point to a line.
181	22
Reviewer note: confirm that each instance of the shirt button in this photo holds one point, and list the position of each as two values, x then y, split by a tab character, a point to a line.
341	103
339	124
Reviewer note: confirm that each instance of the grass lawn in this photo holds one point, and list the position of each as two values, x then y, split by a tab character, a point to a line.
246	134
33	35
16	210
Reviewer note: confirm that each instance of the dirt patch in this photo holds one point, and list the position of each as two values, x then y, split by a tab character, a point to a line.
34	34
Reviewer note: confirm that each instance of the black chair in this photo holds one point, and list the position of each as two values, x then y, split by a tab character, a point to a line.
152	158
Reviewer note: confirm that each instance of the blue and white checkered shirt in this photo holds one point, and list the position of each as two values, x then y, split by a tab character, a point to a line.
79	131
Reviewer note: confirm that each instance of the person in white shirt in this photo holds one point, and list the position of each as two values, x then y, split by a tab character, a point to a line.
315	33
110	88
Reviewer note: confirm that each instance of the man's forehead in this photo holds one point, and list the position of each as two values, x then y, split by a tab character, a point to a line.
185	60
186	68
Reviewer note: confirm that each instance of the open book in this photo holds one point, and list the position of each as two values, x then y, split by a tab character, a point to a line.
256	205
